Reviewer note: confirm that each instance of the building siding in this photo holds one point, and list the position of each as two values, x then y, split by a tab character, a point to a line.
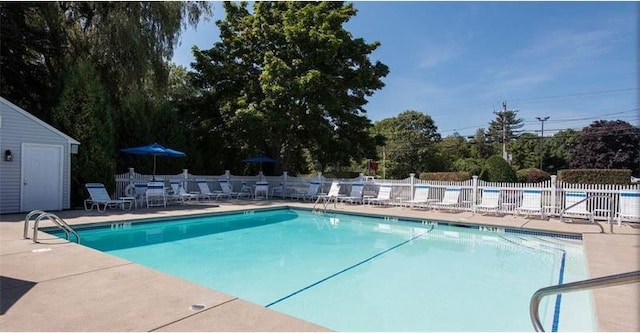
17	128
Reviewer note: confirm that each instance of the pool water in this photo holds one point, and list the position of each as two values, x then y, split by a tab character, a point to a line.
358	273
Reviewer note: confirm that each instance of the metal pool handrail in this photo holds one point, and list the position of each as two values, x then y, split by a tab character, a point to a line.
600	282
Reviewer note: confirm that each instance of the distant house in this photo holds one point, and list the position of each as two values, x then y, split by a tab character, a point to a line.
35	162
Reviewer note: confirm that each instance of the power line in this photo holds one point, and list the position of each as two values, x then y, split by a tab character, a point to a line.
574	95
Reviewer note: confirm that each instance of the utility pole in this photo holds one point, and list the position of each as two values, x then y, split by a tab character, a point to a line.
542	120
502	115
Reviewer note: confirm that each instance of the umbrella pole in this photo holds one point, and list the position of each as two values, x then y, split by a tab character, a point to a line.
154	167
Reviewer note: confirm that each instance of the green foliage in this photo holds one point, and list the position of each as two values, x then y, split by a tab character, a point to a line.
291	72
496	169
608	145
470	165
446	176
525	152
510	120
481	148
85	114
559	150
453	148
595	176
532	175
411	139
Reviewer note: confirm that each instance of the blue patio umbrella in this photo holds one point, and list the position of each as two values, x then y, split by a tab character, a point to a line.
260	159
155	150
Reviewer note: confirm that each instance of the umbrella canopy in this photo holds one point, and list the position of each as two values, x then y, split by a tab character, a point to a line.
155	150
260	159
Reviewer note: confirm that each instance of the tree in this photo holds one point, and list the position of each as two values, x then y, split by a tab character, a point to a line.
452	148
290	72
481	147
496	169
608	145
525	151
559	149
505	119
85	114
411	139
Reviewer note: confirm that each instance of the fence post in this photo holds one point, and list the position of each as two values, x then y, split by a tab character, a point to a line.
412	179
284	184
321	182
553	195
474	191
131	173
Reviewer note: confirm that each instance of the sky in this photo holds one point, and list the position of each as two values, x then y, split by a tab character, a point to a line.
575	62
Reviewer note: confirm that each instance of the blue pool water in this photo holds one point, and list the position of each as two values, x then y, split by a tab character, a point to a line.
358	273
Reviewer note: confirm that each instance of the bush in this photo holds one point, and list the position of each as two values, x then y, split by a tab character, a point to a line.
341	174
471	165
595	176
532	175
446	176
497	170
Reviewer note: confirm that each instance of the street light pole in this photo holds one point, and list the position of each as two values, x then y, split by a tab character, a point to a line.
542	120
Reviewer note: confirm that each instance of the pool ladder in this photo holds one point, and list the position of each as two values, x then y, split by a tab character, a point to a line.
600	282
326	202
58	221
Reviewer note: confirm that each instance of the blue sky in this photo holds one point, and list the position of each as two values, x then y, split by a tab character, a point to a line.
575	62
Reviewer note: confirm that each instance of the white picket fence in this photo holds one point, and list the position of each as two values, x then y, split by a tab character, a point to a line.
604	203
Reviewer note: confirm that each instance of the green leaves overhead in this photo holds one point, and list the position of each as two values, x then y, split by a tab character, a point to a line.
290	71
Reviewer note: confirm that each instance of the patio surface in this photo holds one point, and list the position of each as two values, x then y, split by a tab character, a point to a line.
60	286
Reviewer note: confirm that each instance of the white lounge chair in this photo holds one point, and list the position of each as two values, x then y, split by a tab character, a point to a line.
156	194
575	207
333	194
98	195
490	201
262	187
179	193
312	192
205	191
450	199
226	191
384	196
629	207
356	194
531	203
420	197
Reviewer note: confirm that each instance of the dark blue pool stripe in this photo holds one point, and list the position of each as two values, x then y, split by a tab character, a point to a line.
348	268
556	310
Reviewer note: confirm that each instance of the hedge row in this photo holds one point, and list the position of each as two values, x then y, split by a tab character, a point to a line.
595	176
459	176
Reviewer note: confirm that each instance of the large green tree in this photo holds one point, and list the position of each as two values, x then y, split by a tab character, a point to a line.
411	139
481	146
504	127
559	149
48	47
452	148
287	79
608	145
525	151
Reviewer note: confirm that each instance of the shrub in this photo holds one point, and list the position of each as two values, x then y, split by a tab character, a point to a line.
532	175
446	176
471	165
595	176
496	169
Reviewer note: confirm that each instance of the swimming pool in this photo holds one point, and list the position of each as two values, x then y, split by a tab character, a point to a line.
358	273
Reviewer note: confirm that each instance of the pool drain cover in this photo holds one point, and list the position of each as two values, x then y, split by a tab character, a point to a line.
197	307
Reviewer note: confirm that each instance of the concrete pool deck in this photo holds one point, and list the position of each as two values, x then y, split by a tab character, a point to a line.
60	286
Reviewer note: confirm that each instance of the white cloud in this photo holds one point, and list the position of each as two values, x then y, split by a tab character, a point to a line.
437	53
